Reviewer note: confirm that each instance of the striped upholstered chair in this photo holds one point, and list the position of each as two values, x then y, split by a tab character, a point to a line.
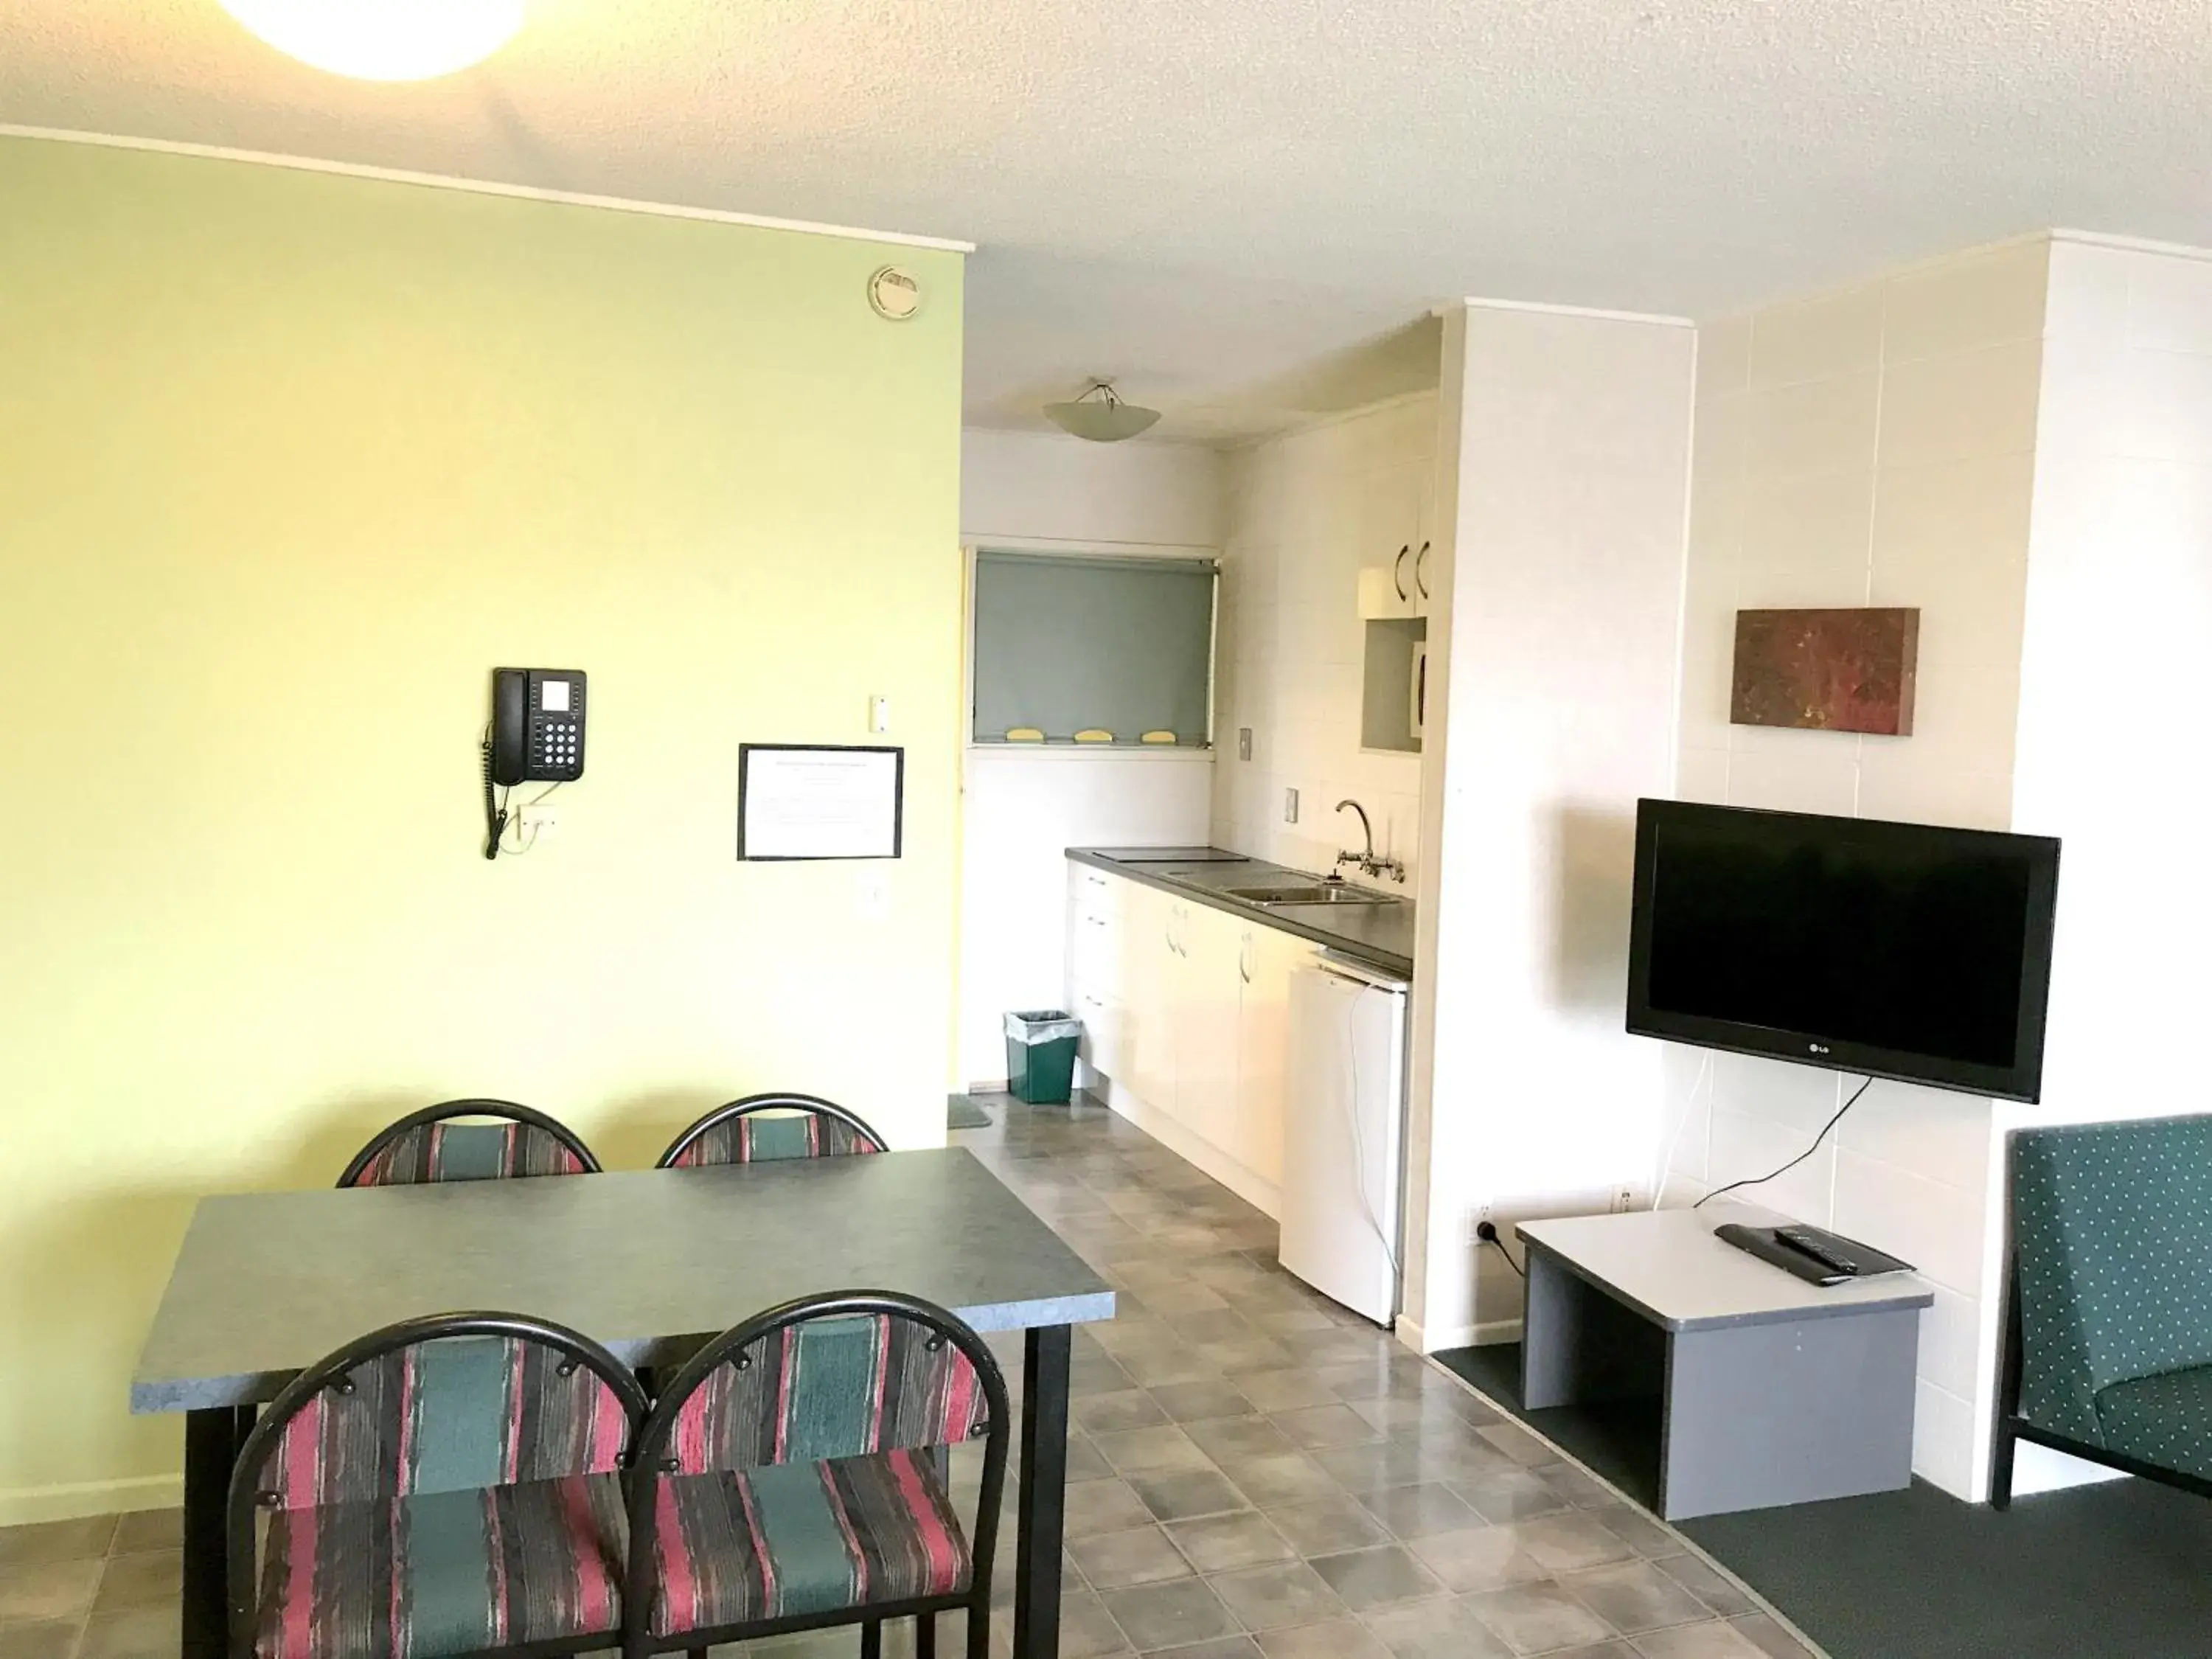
760	1128
793	1475
448	1485
435	1144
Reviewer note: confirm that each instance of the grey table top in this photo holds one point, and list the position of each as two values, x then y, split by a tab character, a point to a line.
1668	1265
266	1284
1381	935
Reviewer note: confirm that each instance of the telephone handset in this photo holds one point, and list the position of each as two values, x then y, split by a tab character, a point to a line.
536	736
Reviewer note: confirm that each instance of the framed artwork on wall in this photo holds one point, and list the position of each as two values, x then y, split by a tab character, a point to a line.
1826	670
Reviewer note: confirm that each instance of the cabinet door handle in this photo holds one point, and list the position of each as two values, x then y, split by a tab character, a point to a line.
1244	960
1420	559
1398	572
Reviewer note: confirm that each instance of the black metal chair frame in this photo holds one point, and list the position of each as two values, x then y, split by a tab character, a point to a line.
771	1103
245	1500
508	1110
651	1464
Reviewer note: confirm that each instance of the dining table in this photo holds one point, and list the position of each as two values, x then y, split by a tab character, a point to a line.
647	1262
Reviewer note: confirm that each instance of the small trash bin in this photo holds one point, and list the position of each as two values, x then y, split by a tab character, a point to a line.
1040	1056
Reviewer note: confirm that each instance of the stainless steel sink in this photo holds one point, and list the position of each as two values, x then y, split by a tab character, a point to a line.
1316	894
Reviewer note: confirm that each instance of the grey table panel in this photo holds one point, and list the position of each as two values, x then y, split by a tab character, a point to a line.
1668	1267
1381	935
1758	1416
266	1284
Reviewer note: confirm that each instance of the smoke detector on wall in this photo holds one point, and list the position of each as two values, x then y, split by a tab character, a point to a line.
1100	415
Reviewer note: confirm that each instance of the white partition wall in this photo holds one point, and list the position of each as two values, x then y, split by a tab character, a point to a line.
2111	749
1554	629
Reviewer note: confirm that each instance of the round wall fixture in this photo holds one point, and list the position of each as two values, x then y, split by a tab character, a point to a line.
895	294
383	39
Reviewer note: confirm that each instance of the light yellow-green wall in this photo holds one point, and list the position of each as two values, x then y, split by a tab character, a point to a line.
288	463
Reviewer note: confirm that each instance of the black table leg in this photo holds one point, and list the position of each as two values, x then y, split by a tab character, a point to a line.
211	1442
1043	1495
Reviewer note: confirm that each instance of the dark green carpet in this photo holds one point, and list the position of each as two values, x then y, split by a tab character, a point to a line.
2122	1570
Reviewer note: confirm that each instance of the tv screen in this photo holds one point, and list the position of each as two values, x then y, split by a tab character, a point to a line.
1896	950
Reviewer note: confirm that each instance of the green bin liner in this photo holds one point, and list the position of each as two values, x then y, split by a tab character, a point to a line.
1040	1055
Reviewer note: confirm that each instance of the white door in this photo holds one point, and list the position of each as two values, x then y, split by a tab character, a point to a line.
1344	1115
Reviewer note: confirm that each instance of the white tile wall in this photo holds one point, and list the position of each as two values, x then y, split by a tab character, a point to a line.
1872	447
2025	436
1292	640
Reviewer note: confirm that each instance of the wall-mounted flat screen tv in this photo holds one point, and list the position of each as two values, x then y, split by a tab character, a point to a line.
1896	950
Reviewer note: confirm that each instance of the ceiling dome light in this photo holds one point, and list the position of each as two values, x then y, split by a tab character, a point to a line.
1100	415
383	39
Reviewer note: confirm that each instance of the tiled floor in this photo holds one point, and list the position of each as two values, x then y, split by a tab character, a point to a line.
102	1589
1255	1473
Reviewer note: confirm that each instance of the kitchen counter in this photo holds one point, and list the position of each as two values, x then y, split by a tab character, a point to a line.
1380	935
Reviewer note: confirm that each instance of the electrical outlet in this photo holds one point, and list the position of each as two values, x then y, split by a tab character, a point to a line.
1475	1221
1624	1200
537	823
1290	806
1244	742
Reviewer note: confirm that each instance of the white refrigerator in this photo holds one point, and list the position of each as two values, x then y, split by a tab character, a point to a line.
1344	1130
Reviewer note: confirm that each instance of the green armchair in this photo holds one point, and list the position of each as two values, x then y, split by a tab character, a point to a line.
2108	1320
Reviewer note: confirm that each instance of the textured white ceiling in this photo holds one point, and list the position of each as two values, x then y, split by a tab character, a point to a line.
1207	195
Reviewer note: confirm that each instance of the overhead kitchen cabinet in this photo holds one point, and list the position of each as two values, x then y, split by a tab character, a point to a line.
1394	521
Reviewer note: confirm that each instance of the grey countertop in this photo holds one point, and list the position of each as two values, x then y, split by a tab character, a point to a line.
1380	935
1667	1264
645	1260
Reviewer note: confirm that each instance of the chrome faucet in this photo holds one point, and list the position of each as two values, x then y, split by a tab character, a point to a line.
1366	860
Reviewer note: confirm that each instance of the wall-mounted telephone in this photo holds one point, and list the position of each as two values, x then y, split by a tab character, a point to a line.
536	736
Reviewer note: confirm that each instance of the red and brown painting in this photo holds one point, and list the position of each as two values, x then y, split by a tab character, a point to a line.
1826	670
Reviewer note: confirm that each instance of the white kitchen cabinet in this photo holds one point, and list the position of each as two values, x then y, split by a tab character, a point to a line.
1150	980
1211	948
1396	531
1105	1048
1185	1008
1266	960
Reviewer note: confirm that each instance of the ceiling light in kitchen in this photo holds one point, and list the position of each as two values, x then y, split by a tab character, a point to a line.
383	39
1101	416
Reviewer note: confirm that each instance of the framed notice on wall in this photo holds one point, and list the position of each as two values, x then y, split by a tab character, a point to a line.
799	801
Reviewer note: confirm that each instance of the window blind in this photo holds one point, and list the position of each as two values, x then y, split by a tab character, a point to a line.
1092	643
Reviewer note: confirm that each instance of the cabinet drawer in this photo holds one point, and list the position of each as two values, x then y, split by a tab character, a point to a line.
1094	954
1097	895
1103	1032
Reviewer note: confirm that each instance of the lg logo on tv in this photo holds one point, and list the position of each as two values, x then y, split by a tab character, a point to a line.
1817	1047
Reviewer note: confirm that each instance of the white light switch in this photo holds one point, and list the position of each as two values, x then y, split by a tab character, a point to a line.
1290	806
879	713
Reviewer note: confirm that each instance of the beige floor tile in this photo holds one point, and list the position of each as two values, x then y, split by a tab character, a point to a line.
47	1590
